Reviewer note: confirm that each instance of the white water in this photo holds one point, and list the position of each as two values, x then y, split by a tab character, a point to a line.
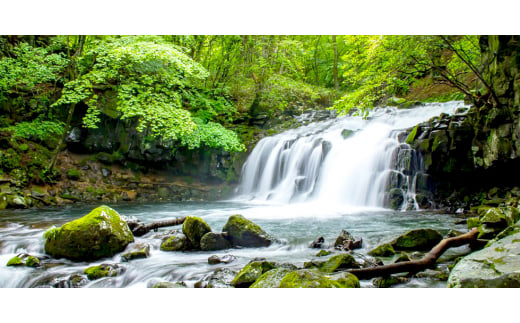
319	166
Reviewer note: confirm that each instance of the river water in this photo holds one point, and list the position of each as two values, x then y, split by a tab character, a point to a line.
299	185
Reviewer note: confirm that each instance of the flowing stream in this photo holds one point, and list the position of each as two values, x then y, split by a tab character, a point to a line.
308	182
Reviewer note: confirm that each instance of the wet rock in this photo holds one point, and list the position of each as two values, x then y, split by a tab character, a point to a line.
214	241
24	260
226	259
176	242
251	272
418	239
384	250
338	262
101	233
170	285
103	270
395	199
137	251
385	282
323	253
221	278
494	266
318	243
271	279
441	275
401	257
311	278
194	228
245	233
73	281
344	240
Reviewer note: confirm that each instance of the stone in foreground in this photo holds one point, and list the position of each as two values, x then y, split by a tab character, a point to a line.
497	265
99	234
194	228
245	233
418	239
312	278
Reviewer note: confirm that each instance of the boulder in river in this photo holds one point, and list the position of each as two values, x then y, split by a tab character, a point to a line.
418	239
338	262
103	270
137	251
251	272
245	233
318	243
214	241
101	233
383	250
195	228
176	242
312	278
24	260
226	259
271	278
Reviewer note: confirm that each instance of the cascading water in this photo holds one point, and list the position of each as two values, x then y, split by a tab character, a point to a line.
345	162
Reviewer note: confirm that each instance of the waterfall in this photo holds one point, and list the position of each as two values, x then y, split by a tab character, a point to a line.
347	161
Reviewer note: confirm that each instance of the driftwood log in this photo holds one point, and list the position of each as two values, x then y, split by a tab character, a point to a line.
142	229
414	266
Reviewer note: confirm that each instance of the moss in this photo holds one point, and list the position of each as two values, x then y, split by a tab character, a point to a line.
337	262
384	250
32	261
15	261
385	282
101	233
473	222
271	278
214	241
323	253
73	174
177	242
140	251
245	233
195	228
418	239
104	270
411	136
311	278
251	272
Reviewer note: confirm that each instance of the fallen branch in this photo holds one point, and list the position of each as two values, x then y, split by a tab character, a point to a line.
142	229
414	266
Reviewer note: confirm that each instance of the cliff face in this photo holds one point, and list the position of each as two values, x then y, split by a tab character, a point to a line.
465	154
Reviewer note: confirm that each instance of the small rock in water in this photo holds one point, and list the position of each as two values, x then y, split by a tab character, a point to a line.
318	243
103	270
226	259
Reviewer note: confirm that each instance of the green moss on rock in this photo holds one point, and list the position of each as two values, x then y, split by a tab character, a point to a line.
214	241
32	261
337	262
312	278
384	250
271	279
15	261
101	233
138	251
103	270
177	242
323	253
194	228
245	233
418	239
251	272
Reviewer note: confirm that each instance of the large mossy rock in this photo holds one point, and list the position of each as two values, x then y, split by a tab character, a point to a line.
418	239
245	233
195	228
251	272
99	234
103	270
176	242
383	250
271	278
338	262
214	241
497	265
312	278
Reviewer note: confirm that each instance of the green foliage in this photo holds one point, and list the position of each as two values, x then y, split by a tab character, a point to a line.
36	130
212	135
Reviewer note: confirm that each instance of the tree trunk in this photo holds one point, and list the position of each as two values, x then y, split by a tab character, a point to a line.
414	266
141	229
335	67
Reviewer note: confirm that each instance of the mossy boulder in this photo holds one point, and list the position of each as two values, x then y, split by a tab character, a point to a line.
221	278
24	260
388	281
323	253
99	234
177	242
418	239
383	250
338	262
103	270
194	228
271	278
214	241
312	278
500	216
137	251
251	272
245	233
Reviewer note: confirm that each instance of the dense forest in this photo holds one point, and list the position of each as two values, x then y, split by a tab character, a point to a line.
309	134
183	93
